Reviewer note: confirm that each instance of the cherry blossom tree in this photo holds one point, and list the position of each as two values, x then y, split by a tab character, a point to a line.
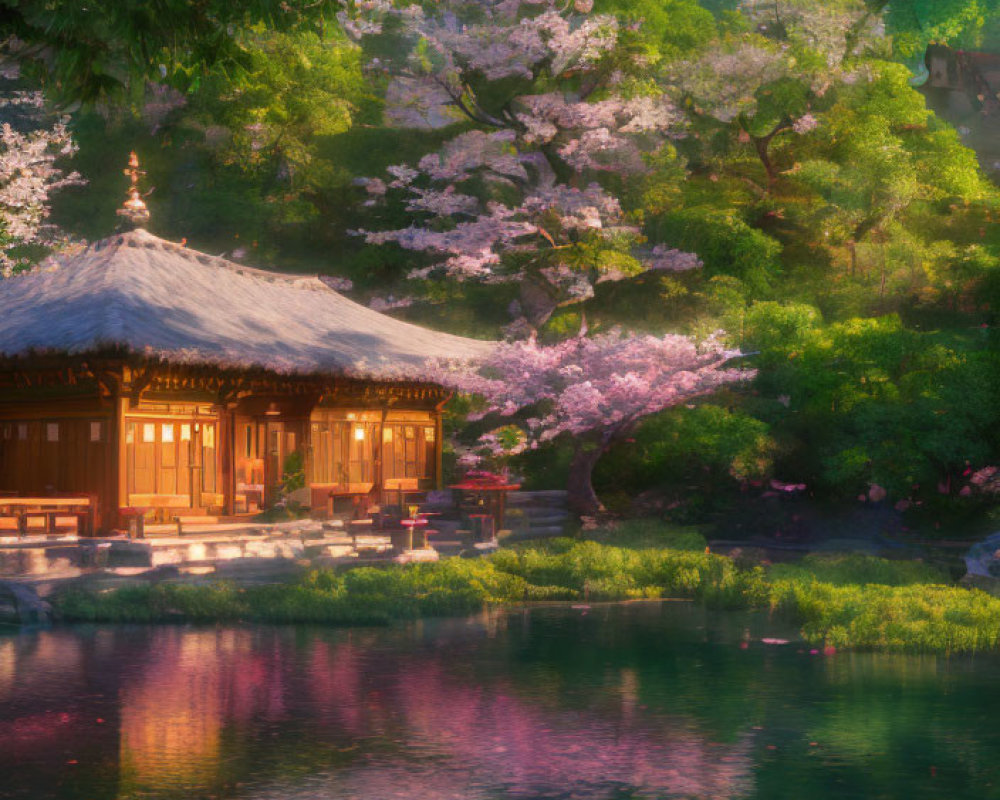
751	87
28	175
836	29
596	390
520	197
775	82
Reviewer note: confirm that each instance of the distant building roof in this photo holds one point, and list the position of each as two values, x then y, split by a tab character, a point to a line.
153	297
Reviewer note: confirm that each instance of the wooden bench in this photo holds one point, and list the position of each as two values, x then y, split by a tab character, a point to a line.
22	510
249	498
160	505
323	496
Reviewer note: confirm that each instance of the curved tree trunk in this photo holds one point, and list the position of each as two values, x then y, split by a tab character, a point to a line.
537	300
761	145
580	494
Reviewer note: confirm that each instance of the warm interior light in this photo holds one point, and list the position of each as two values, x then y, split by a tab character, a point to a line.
272	410
359	433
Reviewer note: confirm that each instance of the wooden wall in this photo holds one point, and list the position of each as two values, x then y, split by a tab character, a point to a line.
127	433
54	455
58	448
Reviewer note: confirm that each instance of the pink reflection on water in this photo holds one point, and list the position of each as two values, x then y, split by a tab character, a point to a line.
360	716
529	747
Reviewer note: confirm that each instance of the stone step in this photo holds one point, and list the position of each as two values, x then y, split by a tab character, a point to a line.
555	510
541	497
538	533
547	520
449	548
339	550
537	510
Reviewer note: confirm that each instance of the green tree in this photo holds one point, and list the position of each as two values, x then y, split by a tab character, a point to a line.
296	91
91	50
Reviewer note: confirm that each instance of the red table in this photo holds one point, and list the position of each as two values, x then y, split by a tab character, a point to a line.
415	527
493	492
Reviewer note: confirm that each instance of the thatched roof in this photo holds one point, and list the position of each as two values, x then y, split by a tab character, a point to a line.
137	292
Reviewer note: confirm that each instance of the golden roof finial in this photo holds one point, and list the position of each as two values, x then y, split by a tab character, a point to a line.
134	210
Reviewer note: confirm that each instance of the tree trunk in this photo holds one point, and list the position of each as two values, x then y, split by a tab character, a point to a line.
761	145
537	300
580	494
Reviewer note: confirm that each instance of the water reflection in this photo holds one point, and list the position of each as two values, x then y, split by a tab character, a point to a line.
626	702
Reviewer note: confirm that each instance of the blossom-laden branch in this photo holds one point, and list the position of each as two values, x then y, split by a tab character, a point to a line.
595	389
28	176
758	89
605	383
837	30
518	199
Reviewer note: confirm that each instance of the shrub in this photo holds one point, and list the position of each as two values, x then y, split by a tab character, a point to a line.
725	242
840	600
855	568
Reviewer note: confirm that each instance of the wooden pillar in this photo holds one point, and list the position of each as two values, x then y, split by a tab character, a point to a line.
379	465
118	496
227	451
438	449
306	448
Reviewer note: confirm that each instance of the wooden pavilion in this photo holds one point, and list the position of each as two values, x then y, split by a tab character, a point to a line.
153	377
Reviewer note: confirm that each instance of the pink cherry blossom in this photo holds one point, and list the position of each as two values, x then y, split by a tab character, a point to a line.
805	124
724	80
27	177
494	203
594	389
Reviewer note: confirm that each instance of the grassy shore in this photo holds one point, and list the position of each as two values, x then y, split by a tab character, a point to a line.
840	600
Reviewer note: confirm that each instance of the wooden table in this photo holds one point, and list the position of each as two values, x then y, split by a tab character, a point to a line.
324	495
82	507
487	527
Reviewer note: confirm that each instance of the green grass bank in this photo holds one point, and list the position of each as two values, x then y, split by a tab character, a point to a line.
847	601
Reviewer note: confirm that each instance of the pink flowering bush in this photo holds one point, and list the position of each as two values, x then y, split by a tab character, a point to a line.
595	389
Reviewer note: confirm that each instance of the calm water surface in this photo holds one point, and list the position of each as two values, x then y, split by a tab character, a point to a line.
620	701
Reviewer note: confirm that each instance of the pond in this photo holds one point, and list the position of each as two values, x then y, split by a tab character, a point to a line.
645	700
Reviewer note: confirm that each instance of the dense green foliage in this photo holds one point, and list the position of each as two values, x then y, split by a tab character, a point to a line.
86	51
840	601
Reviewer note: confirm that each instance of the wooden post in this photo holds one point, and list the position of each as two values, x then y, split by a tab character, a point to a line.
379	465
197	454
119	460
438	450
227	451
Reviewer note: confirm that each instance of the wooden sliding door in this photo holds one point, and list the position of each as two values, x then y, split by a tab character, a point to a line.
173	462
